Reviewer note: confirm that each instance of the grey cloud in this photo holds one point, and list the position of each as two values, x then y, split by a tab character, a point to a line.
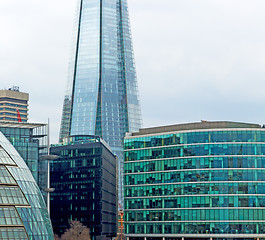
195	59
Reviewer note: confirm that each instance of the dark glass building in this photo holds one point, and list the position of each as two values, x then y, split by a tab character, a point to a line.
84	178
102	93
30	140
195	181
23	213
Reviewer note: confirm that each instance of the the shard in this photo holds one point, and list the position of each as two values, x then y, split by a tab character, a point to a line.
102	93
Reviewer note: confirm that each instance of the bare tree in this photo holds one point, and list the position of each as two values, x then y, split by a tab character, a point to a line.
77	231
56	237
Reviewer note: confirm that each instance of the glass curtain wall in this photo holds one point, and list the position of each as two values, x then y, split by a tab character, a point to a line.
195	182
102	94
23	213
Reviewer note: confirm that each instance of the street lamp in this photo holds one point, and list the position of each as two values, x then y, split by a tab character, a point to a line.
48	189
47	158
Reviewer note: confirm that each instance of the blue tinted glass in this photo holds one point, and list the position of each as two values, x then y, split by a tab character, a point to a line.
102	93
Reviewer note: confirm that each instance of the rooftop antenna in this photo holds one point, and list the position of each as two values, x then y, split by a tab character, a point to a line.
14	88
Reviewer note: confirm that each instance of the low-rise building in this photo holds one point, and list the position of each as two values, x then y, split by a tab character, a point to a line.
30	140
201	180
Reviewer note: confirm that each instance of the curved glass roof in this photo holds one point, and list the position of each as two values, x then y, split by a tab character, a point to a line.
23	213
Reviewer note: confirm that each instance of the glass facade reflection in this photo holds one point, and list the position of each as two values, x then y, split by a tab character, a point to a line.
102	93
23	213
84	178
30	140
203	180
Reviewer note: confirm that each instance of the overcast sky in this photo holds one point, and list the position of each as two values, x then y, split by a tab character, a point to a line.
196	59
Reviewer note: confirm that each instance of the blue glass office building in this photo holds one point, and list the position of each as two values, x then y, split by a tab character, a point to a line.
195	181
23	213
102	94
30	140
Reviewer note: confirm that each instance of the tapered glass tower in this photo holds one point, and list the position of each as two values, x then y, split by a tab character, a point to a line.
102	93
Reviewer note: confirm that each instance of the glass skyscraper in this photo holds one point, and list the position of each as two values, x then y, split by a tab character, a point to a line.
102	93
195	181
